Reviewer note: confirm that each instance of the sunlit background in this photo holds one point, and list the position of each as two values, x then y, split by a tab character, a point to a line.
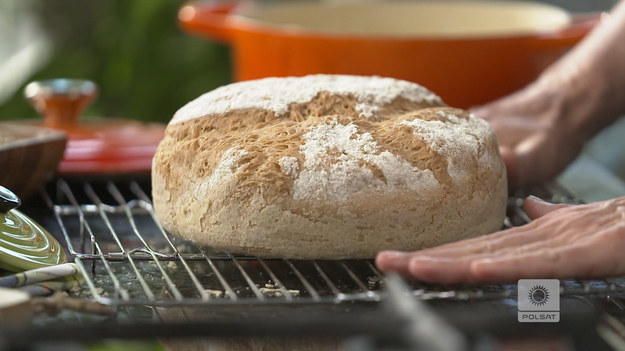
145	66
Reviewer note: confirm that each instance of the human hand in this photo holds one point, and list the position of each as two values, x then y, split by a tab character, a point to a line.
534	139
543	127
564	241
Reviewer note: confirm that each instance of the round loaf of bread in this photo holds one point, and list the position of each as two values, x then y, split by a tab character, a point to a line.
326	166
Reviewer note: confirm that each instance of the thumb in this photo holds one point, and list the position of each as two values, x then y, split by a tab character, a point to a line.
509	159
483	111
535	207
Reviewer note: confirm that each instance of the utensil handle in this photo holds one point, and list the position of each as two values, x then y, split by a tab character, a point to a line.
208	18
567	37
39	275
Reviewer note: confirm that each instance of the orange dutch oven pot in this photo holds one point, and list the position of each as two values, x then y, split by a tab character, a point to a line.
469	53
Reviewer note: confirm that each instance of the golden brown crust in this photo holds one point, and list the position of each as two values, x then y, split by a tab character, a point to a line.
321	181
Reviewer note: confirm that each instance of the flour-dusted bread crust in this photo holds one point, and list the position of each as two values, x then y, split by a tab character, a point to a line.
327	166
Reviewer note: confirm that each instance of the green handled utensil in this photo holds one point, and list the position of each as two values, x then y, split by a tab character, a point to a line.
24	244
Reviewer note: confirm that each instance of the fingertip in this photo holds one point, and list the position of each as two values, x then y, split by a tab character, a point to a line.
385	259
510	160
421	269
486	111
434	270
478	111
483	270
393	261
536	207
490	270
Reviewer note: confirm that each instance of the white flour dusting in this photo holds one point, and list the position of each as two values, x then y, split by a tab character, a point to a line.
276	94
456	140
289	166
227	165
224	170
335	166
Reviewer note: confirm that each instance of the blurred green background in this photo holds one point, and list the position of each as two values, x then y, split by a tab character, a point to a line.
145	66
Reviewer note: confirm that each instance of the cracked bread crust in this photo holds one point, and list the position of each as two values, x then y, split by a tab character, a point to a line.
331	177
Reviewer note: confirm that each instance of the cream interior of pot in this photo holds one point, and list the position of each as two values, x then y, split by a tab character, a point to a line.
412	18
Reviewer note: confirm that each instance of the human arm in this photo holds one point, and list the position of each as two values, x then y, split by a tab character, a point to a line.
543	127
540	130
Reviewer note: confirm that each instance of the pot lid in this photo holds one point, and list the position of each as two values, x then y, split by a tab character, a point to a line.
95	145
24	244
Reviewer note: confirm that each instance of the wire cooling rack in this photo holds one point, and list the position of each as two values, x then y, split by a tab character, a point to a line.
160	285
127	258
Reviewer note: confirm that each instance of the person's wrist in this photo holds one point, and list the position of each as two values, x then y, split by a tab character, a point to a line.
587	105
575	100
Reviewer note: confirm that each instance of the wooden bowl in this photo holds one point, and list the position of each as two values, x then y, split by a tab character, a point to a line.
29	156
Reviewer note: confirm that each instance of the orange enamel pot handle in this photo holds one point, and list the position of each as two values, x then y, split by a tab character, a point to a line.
208	19
567	37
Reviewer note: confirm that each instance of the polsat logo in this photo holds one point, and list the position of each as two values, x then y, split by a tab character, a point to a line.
539	295
539	300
